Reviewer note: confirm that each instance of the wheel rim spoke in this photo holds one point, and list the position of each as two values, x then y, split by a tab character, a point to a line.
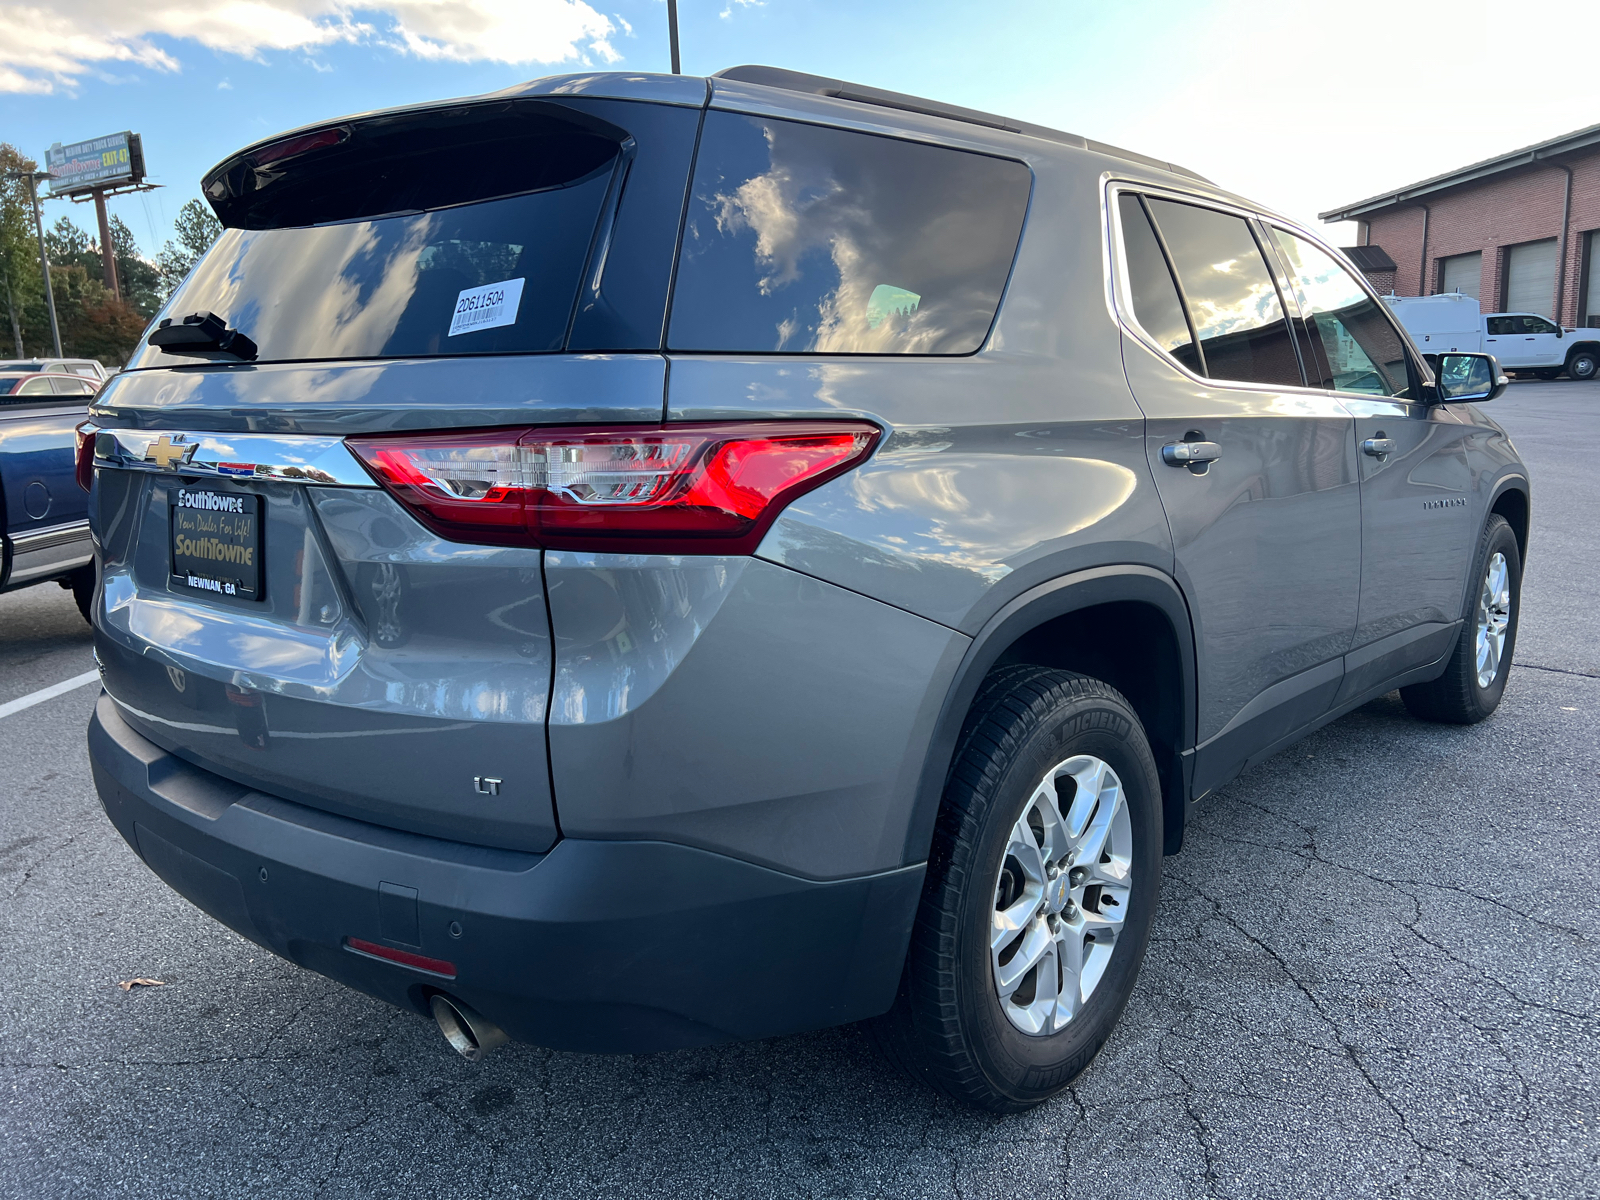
1035	943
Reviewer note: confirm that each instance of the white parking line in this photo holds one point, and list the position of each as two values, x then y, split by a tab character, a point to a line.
49	693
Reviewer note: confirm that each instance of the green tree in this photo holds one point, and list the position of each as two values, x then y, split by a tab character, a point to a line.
197	228
94	323
138	278
27	323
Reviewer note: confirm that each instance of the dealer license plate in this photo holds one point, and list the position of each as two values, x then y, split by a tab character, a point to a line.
216	542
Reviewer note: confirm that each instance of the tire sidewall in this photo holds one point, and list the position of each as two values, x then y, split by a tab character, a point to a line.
1022	1066
1574	369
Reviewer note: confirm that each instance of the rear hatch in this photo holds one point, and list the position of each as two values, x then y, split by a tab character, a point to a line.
268	611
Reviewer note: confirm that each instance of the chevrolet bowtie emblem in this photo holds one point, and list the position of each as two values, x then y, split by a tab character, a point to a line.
167	454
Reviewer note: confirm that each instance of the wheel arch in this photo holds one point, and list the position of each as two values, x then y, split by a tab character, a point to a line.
1593	347
1129	622
1511	501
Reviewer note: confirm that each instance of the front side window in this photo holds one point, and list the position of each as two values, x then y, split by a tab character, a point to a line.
802	239
1233	303
1354	347
1532	324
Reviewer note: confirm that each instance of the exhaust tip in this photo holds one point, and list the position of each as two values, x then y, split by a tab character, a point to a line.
470	1033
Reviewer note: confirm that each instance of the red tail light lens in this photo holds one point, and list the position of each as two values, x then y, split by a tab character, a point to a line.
686	489
85	463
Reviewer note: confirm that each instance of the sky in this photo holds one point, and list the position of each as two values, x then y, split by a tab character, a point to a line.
1302	107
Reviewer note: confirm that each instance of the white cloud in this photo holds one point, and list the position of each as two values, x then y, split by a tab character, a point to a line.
727	12
224	86
51	47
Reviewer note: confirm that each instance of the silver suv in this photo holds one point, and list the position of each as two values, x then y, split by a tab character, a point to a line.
633	561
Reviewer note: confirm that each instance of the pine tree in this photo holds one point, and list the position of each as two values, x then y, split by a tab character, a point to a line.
197	228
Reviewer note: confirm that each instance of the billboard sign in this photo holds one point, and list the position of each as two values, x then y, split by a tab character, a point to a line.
103	162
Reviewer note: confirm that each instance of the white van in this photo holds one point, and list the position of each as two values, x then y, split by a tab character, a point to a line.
1440	324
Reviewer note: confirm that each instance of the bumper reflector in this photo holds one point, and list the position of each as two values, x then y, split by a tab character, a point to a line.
418	962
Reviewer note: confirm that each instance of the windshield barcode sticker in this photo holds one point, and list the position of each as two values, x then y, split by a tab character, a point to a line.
487	307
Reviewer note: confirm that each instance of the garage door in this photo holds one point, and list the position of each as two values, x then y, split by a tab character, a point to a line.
1460	273
1531	278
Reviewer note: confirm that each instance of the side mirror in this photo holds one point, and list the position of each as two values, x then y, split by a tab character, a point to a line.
1467	377
1560	332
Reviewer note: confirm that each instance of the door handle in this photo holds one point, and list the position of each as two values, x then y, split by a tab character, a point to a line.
1378	447
1189	454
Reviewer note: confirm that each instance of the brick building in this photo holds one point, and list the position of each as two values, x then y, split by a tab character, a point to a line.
1517	231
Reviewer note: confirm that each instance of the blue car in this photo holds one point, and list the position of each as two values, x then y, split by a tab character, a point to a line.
44	514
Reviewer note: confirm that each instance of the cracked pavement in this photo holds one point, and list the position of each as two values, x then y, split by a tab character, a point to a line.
1375	972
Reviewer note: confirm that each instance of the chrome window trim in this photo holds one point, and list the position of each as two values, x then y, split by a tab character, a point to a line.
276	458
1118	287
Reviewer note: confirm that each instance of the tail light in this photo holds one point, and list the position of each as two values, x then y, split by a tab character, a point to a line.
85	462
683	489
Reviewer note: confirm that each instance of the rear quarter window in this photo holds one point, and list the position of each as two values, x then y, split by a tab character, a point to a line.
802	239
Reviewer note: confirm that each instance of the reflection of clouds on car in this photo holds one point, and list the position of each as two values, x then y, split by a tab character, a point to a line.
803	239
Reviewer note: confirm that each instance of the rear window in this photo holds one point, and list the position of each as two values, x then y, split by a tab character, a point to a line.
802	239
461	231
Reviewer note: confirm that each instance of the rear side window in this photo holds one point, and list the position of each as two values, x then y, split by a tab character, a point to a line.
454	232
1353	345
1154	296
802	239
1232	301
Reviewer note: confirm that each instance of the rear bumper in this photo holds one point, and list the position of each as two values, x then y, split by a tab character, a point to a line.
603	946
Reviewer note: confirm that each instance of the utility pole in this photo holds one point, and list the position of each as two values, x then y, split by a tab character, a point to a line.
33	178
672	34
108	256
44	258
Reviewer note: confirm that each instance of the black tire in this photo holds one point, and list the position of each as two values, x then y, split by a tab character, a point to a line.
1457	697
1583	365
948	1026
81	582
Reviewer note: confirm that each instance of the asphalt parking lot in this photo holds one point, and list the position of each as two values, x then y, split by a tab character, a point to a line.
1376	972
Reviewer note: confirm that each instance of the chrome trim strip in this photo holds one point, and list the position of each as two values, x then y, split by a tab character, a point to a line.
280	458
50	538
48	553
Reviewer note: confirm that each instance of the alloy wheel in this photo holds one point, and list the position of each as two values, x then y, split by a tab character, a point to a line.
1062	895
1494	618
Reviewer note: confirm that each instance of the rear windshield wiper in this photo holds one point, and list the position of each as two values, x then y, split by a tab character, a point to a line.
200	333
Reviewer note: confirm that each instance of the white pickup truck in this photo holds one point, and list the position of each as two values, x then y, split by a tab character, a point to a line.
1520	341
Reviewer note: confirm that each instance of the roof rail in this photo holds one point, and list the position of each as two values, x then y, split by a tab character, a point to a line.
821	85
